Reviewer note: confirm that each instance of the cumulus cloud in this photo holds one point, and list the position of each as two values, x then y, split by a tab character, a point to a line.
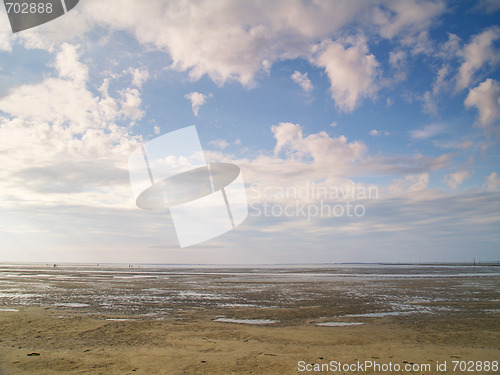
53	100
231	40
326	161
68	66
303	81
65	98
235	41
352	71
486	98
139	76
131	104
479	52
64	145
400	16
197	100
462	64
320	146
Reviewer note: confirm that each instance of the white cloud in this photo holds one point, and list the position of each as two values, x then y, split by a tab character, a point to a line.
454	145
411	183
230	40
396	18
419	43
64	98
454	180
6	36
107	104
489	6
352	71
486	98
54	99
428	131
420	184
375	132
492	182
220	143
299	158
197	100
479	52
429	103
446	75
451	48
68	66
325	160
131	104
61	143
303	81
139	76
319	146
441	83
50	35
397	59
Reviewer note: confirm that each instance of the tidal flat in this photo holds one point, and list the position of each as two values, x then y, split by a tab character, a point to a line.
150	319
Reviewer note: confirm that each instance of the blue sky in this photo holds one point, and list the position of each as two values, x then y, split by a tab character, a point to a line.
400	96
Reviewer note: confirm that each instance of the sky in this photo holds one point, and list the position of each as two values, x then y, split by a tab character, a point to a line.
366	131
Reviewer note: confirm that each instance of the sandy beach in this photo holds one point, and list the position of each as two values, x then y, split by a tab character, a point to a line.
208	333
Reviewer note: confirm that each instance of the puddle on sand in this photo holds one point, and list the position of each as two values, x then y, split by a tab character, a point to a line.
380	314
246	321
118	319
338	324
73	304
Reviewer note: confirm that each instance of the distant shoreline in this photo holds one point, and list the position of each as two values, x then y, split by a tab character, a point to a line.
267	265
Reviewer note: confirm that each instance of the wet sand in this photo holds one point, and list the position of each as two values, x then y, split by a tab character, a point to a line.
417	319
